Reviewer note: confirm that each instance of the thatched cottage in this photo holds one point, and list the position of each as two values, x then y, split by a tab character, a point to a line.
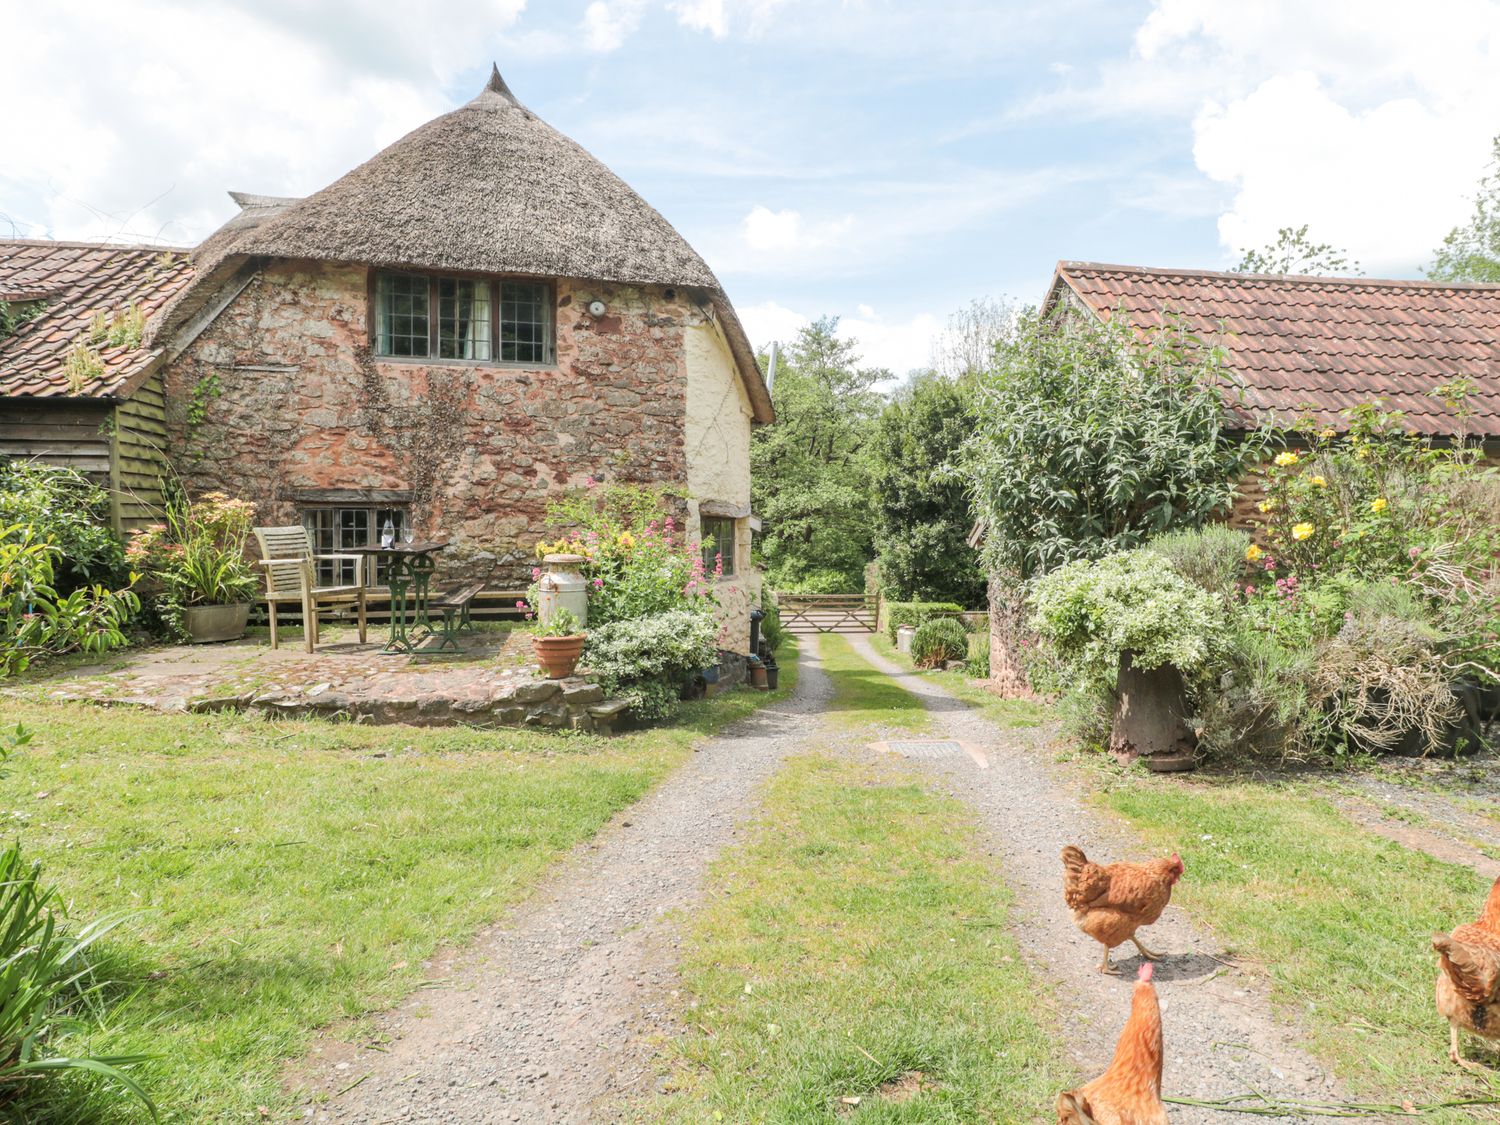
475	320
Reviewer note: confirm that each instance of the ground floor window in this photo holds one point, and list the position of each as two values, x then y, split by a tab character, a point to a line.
337	529
718	540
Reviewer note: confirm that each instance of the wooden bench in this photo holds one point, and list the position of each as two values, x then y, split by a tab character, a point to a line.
454	605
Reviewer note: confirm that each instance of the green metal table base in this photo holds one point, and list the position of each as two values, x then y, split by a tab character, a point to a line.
413	574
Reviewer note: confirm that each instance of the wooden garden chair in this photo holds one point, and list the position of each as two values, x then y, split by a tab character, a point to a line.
287	555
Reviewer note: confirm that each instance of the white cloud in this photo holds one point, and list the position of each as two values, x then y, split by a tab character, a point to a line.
774	232
702	15
175	104
606	25
1369	120
901	346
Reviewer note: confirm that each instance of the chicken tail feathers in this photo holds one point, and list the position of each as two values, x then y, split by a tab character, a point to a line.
1074	1109
1474	970
1083	882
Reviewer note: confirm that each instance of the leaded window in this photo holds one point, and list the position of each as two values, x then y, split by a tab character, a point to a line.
485	320
718	542
335	530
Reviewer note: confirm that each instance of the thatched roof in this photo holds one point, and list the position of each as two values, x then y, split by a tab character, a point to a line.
488	188
491	188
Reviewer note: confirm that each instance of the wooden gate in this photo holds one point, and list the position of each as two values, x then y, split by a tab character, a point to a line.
827	613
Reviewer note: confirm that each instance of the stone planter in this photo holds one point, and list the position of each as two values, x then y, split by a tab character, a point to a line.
558	656
1151	719
207	623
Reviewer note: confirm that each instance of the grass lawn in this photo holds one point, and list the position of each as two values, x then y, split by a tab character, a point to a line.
863	696
1337	917
287	875
1005	712
858	938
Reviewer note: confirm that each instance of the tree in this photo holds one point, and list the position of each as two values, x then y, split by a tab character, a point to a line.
922	513
810	471
1293	252
1472	252
968	343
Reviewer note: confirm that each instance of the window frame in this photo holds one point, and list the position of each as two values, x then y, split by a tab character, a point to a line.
731	556
497	283
332	572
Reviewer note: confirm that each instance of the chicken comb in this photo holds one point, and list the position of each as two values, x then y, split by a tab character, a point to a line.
1143	974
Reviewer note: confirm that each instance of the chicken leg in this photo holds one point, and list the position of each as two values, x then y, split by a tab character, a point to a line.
1105	967
1144	952
1456	1056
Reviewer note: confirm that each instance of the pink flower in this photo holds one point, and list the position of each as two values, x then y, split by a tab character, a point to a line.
520	603
598	583
589	481
1413	552
536	572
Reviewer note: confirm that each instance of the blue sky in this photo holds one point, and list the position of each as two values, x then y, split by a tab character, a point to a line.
883	162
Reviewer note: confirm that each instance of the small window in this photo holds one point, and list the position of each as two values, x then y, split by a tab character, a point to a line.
335	530
718	542
486	320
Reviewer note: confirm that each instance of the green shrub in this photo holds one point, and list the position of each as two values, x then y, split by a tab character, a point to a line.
1212	557
813	582
197	557
648	660
978	663
1253	701
770	624
66	509
1092	612
939	640
915	613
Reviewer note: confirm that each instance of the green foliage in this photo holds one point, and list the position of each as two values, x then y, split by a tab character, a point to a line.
648	660
922	514
1093	611
1212	557
914	613
810	471
13	314
122	329
1471	252
197	557
48	988
83	366
1089	440
939	640
1253	701
978	663
38	622
770	624
1293	252
563	623
67	510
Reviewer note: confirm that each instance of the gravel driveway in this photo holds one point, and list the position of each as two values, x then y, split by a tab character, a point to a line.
559	1006
1221	1036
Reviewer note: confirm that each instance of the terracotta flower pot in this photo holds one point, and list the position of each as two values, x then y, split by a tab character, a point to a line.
558	656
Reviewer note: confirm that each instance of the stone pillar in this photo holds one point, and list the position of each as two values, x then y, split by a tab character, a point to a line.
1007	630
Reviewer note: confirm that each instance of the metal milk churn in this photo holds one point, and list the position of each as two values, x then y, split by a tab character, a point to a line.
563	586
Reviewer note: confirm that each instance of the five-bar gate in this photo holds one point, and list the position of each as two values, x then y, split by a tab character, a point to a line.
827	613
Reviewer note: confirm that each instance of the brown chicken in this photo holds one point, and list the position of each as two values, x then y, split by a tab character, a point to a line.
1129	1092
1111	903
1468	983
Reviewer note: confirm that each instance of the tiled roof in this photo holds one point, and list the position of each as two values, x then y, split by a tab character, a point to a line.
78	280
1319	345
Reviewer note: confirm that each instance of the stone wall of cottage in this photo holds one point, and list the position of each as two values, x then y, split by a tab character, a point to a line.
279	399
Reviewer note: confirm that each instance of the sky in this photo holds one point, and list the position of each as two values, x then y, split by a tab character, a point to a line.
882	162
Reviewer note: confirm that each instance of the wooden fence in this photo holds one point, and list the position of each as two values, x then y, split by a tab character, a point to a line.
828	613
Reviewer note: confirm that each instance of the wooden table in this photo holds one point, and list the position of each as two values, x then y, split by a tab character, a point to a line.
411	567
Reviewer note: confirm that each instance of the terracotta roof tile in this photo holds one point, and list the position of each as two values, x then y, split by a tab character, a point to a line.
1320	345
78	280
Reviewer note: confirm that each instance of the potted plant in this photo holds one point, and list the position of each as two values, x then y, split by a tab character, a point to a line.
559	644
195	562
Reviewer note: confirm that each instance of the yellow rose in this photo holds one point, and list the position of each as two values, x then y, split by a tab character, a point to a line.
1319	481
1327	433
1266	505
1303	531
1252	553
626	540
1379	505
1287	458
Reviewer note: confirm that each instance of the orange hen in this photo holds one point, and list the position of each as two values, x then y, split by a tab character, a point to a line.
1111	903
1129	1092
1468	983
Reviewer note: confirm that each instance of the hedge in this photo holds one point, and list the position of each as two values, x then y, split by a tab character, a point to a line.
914	613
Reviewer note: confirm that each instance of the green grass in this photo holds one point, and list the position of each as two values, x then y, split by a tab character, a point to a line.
1337	917
858	936
1003	712
863	696
285	876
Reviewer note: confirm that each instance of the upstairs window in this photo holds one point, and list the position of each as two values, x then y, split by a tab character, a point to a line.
483	320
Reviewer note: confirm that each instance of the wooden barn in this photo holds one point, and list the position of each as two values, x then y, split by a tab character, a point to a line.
77	387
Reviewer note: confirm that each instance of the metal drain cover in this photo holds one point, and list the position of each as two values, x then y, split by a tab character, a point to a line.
932	749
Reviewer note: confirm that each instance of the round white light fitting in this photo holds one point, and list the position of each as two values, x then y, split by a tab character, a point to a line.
596	308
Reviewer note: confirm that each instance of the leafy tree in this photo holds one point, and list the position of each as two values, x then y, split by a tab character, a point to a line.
922	513
968	343
1472	252
811	471
1294	252
1089	440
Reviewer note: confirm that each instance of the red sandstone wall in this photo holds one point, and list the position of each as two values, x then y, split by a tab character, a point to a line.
291	401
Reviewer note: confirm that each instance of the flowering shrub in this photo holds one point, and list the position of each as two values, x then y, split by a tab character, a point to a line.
197	556
36	621
648	660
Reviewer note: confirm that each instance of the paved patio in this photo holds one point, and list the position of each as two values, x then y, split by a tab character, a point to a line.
493	681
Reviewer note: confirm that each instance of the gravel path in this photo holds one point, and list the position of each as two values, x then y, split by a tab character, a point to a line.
1222	1038
559	1005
